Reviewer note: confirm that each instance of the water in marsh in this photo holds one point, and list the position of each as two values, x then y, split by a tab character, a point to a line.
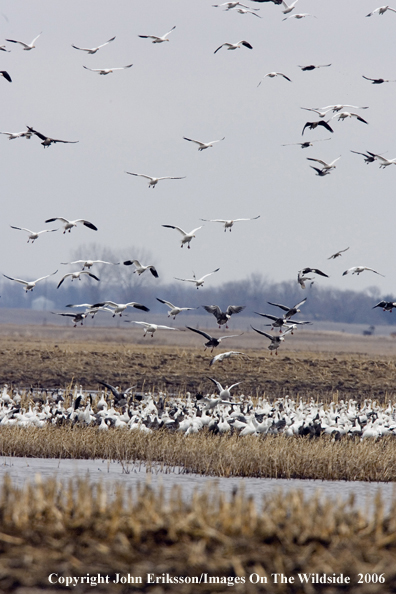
110	473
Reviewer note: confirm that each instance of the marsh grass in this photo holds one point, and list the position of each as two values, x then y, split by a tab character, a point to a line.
75	529
213	455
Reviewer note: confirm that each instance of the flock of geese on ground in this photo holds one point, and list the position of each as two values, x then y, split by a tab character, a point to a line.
218	413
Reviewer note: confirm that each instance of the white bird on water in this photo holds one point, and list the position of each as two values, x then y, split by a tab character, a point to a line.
358	269
26	46
68	225
29	285
203	145
93	50
228	223
187	237
33	234
174	309
153	180
157	39
105	71
198	281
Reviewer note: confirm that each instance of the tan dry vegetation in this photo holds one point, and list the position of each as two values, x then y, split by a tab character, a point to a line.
212	455
74	529
52	361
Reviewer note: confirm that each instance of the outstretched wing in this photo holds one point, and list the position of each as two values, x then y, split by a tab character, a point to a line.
207	336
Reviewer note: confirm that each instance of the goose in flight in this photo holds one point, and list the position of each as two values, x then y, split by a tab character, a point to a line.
68	225
223	356
368	158
93	50
279	322
358	269
377	81
13	135
33	234
29	285
224	393
198	281
212	341
77	317
321	172
140	268
203	145
385	162
228	223
386	305
89	263
276	341
313	125
26	46
153	180
338	254
288	7
273	75
321	114
174	310
5	75
4	49
312	67
158	39
314	270
229	5
91	310
290	311
234	46
347	114
325	166
75	275
151	328
301	278
299	16
222	317
246	11
306	144
380	10
47	141
105	71
187	237
118	308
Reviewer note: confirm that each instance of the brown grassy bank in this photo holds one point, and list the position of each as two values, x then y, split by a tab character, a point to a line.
213	455
73	530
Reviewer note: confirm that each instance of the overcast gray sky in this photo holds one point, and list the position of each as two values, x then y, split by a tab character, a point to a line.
135	120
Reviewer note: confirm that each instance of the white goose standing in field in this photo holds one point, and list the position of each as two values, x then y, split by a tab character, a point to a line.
187	237
228	223
26	46
198	281
156	39
174	309
89	263
234	46
151	328
140	268
93	50
118	308
33	234
29	285
104	71
153	181
75	275
68	225
203	145
359	269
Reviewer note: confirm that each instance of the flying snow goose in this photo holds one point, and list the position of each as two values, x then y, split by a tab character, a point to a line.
75	275
276	341
348	114
222	317
29	285
158	39
321	172
273	75
104	71
338	254
118	308
33	234
47	141
212	341
198	281
301	278
91	310
68	225
203	145
288	7
151	328
358	269
229	5
377	81
224	393
93	50
187	237
174	309
223	356
385	162
279	322
5	75
312	67
299	16
140	268
290	311
368	158
326	166
13	135
234	46
77	317
380	10
89	263
306	144
153	180
26	46
313	125
4	49
386	305
321	114
228	223
339	107
246	11
307	270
